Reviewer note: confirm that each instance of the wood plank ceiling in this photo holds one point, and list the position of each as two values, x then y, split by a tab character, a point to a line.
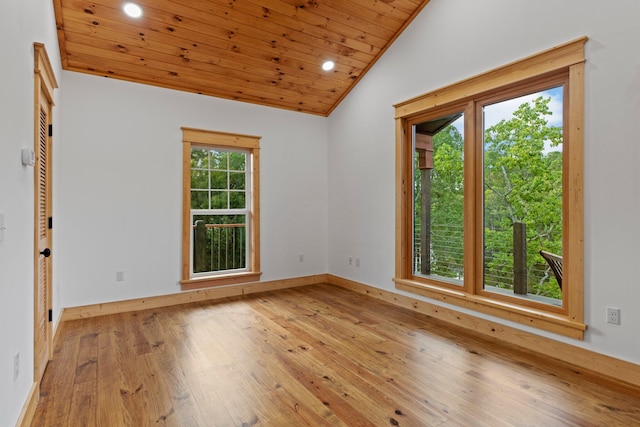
266	52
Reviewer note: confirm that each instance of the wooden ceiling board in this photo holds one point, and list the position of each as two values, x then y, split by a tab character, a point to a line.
184	37
260	30
214	54
373	29
267	52
198	60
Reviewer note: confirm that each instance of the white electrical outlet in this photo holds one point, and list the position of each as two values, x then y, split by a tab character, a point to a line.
350	260
119	276
358	262
301	258
16	366
613	315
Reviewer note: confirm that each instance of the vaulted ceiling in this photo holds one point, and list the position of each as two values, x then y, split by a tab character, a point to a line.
267	52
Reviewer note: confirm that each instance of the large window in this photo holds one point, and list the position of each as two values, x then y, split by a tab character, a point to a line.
220	209
489	186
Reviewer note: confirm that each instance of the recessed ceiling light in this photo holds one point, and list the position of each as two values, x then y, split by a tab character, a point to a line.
132	10
328	65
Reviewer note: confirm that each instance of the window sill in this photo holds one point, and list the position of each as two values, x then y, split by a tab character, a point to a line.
227	279
540	319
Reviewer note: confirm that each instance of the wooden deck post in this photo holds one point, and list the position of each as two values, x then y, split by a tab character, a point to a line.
520	258
424	147
199	247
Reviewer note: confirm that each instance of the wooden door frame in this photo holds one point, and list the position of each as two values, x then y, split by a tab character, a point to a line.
44	85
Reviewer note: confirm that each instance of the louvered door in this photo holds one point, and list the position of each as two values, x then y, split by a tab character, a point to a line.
43	237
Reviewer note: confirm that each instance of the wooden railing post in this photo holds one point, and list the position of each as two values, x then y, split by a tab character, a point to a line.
520	258
425	227
199	247
424	148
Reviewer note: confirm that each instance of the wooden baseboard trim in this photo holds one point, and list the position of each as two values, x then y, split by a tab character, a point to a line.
621	371
30	405
55	334
94	310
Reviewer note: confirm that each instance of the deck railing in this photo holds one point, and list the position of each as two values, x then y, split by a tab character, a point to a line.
446	260
446	251
218	247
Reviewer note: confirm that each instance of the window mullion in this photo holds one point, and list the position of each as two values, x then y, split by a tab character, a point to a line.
472	201
573	197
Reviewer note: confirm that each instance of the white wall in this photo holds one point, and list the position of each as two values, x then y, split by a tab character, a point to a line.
24	23
455	39
120	171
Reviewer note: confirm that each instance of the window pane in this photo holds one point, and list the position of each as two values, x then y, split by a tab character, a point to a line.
522	185
438	198
199	178
199	158
237	181
219	159
219	200
237	200
219	243
237	161
199	199
219	180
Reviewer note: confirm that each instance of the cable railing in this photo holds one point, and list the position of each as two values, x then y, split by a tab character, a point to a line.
446	249
218	247
446	260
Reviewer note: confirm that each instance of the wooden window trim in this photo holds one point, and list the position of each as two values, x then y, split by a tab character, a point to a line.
562	62
201	137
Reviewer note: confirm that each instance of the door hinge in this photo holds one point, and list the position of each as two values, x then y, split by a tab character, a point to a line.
50	130
50	222
50	315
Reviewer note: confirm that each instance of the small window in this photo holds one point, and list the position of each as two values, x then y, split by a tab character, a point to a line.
221	214
492	220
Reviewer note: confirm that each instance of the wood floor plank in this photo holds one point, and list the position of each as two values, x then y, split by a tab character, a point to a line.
57	384
116	389
313	356
87	369
83	404
163	368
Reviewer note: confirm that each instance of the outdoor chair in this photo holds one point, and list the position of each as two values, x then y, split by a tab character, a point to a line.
555	262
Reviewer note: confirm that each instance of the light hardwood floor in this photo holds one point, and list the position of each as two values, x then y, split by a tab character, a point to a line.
312	356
